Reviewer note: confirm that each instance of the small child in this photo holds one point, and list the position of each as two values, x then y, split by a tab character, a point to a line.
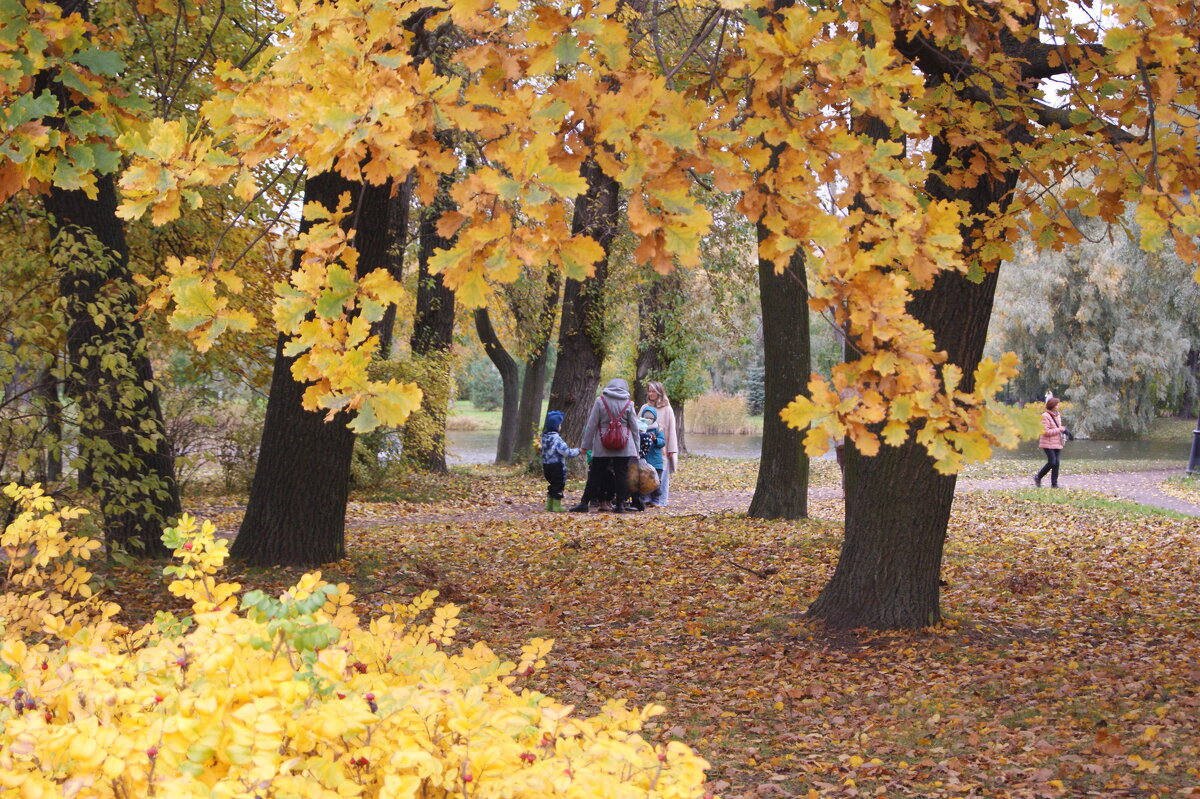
554	460
652	442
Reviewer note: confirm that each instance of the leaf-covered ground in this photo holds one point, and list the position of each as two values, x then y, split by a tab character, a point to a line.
1069	664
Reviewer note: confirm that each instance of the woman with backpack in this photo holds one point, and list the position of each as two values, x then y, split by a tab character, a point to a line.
611	433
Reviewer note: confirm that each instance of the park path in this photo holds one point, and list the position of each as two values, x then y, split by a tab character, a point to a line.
1138	487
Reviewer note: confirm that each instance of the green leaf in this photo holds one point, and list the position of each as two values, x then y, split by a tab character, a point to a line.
101	62
567	50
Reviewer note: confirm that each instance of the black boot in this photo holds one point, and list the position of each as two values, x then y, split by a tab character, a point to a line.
582	507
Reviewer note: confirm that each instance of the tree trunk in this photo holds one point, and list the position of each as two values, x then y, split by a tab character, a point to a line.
533	385
652	332
296	514
897	504
397	236
51	402
127	461
433	336
510	376
680	408
582	333
782	488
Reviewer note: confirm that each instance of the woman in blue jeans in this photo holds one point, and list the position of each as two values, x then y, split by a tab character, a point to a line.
1051	442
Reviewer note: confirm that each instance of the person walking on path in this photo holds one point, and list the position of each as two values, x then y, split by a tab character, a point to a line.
611	433
554	460
656	398
1051	442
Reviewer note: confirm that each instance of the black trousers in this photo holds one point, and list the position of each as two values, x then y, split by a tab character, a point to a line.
1053	457
607	477
556	476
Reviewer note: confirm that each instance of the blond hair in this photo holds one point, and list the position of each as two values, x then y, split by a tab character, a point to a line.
663	401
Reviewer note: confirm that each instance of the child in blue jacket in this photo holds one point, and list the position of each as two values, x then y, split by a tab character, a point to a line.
653	439
554	460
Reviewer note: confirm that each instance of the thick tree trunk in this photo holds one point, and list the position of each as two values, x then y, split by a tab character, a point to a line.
510	377
433	336
533	385
128	464
582	334
782	488
296	514
897	504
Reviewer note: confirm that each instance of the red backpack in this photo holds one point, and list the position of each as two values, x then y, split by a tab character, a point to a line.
615	433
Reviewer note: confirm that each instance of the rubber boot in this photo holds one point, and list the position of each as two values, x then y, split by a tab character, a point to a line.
557	506
549	503
582	507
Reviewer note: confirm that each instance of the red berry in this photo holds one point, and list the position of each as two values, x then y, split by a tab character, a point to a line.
188	546
152	752
662	758
467	777
158	698
370	697
45	665
341	696
528	757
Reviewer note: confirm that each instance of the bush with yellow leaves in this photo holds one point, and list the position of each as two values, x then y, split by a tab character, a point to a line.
291	696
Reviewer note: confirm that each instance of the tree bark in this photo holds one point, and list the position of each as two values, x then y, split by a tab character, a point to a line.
433	336
897	504
582	332
127	462
533	385
51	403
397	234
680	408
782	488
510	375
652	332
296	514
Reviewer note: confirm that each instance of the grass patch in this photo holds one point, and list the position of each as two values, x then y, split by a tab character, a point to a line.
1170	428
1182	486
1087	500
1027	467
717	413
465	416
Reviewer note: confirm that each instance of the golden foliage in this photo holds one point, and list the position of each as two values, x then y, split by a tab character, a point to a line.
293	696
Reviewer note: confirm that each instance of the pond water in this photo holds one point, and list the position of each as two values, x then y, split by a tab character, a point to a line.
479	446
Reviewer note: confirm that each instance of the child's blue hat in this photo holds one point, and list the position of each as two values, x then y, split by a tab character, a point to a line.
649	409
553	421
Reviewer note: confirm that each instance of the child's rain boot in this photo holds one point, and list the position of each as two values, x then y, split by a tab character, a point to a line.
557	506
549	503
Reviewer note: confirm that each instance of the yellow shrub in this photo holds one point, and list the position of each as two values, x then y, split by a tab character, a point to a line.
291	696
47	586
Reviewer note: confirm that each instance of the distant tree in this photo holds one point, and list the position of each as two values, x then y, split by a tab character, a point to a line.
1104	324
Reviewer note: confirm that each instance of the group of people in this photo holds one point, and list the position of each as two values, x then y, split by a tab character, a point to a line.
613	436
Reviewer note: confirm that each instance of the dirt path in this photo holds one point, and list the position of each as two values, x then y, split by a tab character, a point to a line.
1138	487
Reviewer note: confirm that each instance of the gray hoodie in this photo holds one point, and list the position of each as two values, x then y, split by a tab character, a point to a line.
615	399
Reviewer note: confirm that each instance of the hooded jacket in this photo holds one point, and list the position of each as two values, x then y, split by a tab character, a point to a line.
613	399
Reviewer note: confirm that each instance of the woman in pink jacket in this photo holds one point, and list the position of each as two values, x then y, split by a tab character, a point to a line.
1051	442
